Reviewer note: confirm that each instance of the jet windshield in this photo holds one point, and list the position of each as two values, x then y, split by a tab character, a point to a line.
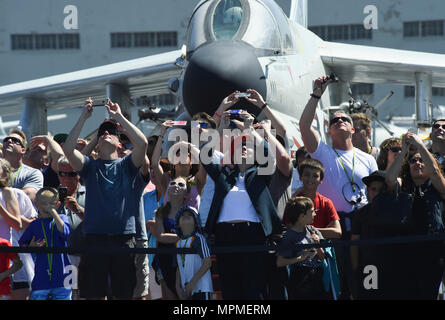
227	19
261	23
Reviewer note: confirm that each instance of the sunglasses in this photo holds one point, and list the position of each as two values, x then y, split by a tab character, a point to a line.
395	149
179	184
67	174
415	160
110	128
437	126
13	140
337	119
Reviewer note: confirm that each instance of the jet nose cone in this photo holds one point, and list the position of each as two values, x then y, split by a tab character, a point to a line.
218	69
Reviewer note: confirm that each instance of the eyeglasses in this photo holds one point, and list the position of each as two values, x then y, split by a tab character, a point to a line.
67	174
337	119
415	160
437	126
179	184
13	140
395	149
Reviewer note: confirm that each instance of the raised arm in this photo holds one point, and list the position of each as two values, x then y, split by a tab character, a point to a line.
156	158
226	104
394	170
75	157
256	99
136	137
308	134
55	149
434	172
11	214
284	163
88	149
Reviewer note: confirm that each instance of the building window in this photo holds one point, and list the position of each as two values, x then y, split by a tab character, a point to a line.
358	31
410	91
411	29
45	41
438	92
167	39
144	39
362	89
338	33
423	28
121	40
69	41
319	31
22	42
342	32
432	28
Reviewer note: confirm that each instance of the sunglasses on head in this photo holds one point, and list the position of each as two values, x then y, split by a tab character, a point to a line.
415	160
395	149
437	126
180	184
67	174
337	119
13	140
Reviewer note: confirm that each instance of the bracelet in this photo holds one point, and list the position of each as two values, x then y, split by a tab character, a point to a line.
264	106
216	114
315	96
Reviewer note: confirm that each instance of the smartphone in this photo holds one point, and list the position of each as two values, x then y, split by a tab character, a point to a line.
413	130
63	193
202	125
179	123
235	111
242	95
100	104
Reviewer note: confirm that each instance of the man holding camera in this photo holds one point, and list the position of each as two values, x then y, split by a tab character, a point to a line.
347	165
111	203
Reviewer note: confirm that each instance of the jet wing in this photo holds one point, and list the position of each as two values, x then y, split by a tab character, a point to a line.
366	64
142	76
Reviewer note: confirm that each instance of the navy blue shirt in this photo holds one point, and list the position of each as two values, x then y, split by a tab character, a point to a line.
113	196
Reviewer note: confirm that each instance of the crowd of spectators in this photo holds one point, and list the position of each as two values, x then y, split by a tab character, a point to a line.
238	189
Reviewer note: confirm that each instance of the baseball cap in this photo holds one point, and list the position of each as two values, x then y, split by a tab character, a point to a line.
110	126
60	137
378	175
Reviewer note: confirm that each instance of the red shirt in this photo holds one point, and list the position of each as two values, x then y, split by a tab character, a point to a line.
324	209
5	258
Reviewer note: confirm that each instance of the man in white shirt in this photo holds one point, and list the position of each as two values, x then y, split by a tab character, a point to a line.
345	166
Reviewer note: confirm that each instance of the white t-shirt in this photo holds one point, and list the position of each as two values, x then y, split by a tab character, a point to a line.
208	191
237	204
296	182
27	210
335	177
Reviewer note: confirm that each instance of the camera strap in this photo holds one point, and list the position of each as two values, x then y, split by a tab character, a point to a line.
351	180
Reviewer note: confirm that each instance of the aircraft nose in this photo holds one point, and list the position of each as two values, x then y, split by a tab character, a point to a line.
218	69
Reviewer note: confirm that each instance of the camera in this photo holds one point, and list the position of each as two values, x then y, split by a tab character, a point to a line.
242	95
63	193
332	77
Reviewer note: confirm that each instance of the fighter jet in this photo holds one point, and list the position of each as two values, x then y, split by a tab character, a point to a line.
235	45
